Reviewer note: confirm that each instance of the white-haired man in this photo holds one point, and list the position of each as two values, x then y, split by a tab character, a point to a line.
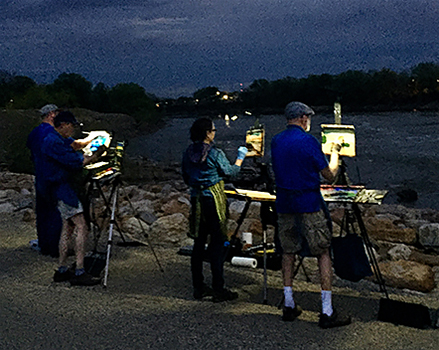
304	224
49	223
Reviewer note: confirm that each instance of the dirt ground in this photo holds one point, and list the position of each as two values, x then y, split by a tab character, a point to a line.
144	308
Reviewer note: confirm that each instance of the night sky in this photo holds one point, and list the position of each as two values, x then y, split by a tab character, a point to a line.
174	47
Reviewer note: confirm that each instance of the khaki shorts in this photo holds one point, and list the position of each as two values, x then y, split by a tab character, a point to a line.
306	233
67	211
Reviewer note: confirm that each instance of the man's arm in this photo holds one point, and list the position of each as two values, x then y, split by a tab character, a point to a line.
95	156
80	144
331	170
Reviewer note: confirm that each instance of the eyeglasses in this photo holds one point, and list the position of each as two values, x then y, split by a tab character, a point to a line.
213	130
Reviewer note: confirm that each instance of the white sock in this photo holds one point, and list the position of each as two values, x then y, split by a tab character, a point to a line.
289	301
327	302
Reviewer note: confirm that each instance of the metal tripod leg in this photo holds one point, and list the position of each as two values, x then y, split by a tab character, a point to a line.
110	236
143	230
369	249
114	191
265	265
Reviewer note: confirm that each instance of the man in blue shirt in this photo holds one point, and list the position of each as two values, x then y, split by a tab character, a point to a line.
62	161
49	222
304	225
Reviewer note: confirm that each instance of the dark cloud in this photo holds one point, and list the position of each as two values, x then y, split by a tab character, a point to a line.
178	46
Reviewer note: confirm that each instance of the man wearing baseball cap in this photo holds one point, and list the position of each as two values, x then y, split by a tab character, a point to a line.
303	220
48	218
62	162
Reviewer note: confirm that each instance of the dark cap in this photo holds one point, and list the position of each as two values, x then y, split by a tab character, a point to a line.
65	117
295	110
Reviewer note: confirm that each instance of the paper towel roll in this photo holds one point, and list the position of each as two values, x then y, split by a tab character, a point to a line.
245	262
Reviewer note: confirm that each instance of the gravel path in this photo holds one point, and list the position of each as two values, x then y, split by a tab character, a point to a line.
143	308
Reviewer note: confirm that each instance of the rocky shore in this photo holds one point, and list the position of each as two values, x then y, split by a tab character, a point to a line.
406	240
154	213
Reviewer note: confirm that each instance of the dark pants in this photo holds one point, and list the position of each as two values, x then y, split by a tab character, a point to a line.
49	225
215	253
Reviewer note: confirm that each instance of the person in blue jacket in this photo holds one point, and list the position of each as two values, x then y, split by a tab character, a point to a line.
204	168
62	163
303	220
48	218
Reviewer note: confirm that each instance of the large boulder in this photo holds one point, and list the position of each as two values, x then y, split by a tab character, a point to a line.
236	208
251	225
163	198
136	228
14	200
6	207
16	181
386	229
136	193
429	235
426	259
177	205
170	229
132	208
408	274
399	211
399	252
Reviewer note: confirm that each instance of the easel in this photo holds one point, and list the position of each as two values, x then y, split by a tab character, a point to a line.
249	196
110	205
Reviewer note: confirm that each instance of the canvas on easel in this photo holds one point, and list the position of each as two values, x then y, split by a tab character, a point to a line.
255	142
339	133
99	138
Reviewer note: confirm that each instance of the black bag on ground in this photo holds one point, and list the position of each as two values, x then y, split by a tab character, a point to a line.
349	258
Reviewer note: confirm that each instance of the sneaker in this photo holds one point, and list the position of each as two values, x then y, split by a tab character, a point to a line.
335	320
289	314
84	279
224	295
205	291
61	276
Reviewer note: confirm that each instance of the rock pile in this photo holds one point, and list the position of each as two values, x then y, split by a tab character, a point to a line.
406	240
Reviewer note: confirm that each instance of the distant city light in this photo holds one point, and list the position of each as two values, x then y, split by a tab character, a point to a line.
234	117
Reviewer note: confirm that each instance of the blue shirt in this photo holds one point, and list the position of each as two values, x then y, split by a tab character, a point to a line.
205	165
62	161
297	160
35	143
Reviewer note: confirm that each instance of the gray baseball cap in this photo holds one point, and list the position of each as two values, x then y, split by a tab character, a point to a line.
295	110
48	108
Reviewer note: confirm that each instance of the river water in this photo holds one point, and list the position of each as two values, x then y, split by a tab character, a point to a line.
395	150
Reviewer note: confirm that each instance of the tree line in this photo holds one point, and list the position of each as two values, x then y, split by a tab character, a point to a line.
72	90
354	89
